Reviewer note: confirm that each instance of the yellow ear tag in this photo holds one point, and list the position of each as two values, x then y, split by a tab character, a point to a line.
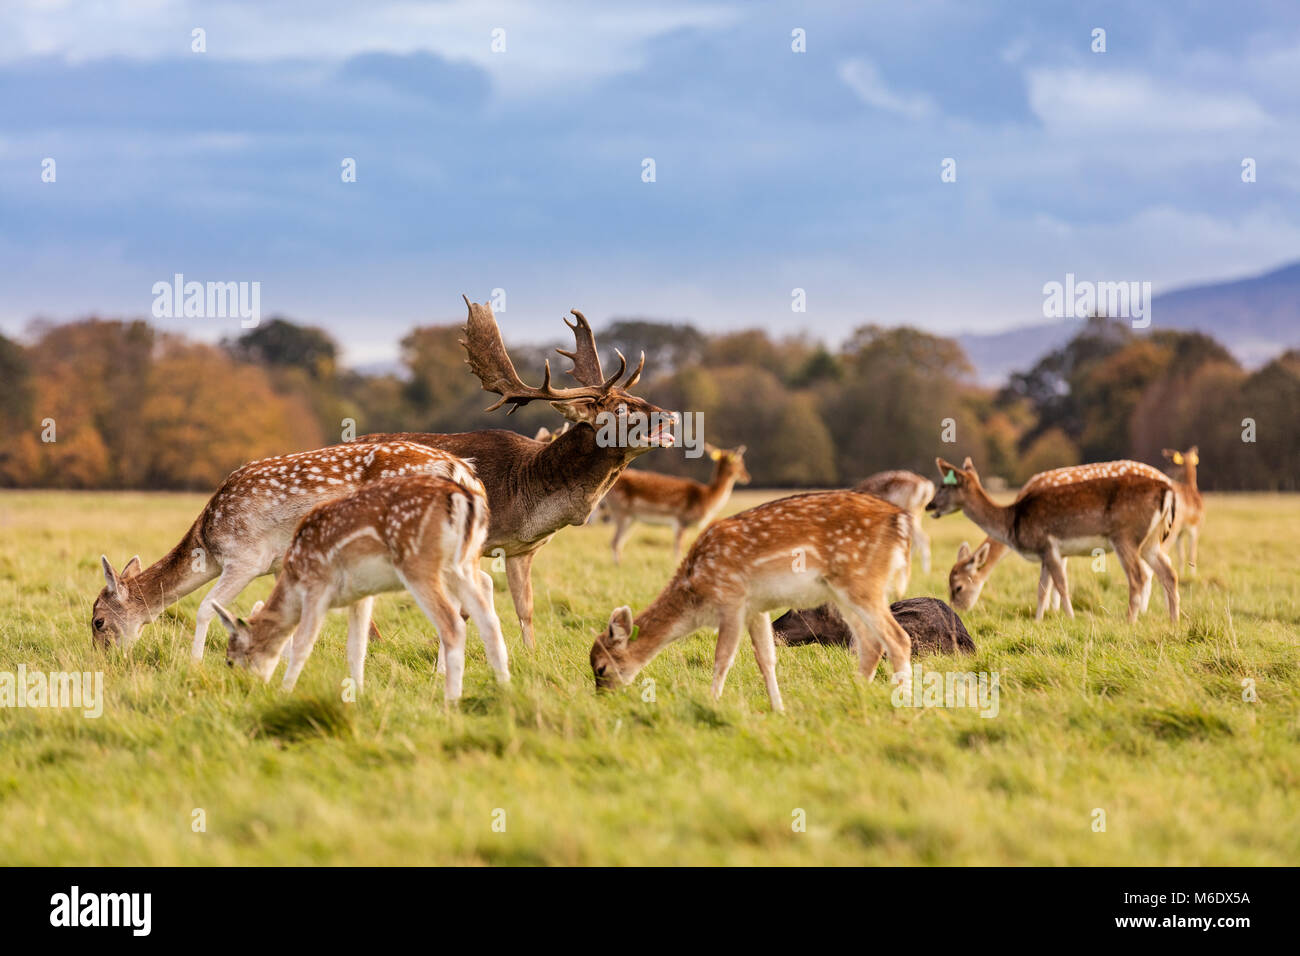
1178	458
715	455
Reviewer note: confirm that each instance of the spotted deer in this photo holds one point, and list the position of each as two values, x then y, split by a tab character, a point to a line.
909	491
1131	513
536	488
682	503
1187	535
417	532
244	529
801	551
973	567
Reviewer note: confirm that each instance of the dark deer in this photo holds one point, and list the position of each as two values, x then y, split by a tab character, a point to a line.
536	488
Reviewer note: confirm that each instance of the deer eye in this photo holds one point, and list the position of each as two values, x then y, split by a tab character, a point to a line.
600	671
99	623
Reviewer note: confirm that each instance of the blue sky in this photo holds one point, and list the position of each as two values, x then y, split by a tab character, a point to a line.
522	169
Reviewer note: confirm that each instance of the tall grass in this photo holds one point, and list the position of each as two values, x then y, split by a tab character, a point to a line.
1147	724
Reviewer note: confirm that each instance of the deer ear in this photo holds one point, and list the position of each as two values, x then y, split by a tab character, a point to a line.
228	620
739	452
968	465
111	580
257	607
963	552
582	410
1193	455
1168	452
620	624
543	434
981	555
132	568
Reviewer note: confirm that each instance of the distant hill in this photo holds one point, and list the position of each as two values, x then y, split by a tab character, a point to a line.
1254	318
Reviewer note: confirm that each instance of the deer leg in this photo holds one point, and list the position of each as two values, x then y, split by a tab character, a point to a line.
1167	575
519	575
677	542
446	619
1056	566
234	578
1131	562
729	624
622	525
1147	578
1045	590
869	650
359	615
921	543
304	638
889	637
469	587
1193	538
764	641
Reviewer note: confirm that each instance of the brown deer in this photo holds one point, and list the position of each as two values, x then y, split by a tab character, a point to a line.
418	532
973	567
1129	512
536	488
801	551
906	490
1191	508
681	502
244	529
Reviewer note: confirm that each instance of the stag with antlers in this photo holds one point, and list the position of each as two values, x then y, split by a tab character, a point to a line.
536	488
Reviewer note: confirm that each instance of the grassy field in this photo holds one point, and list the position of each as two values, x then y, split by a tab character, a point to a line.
1145	723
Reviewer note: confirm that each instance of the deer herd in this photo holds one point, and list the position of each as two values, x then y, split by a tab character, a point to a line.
416	511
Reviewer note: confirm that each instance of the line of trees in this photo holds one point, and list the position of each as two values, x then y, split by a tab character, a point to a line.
119	404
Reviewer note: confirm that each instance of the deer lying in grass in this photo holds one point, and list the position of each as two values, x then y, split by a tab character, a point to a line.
418	532
973	567
906	490
801	551
245	528
1131	513
1191	509
536	488
681	502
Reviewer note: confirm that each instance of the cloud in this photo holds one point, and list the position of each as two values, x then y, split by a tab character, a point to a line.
1090	101
864	79
548	47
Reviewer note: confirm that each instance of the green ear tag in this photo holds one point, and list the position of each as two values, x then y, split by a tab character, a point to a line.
636	629
950	478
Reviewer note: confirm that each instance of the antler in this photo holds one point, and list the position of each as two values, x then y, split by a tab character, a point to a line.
488	359
586	360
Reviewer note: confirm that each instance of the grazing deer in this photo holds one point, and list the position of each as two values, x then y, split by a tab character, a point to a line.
906	490
973	567
1131	513
681	502
536	488
801	551
1191	509
245	528
418	532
